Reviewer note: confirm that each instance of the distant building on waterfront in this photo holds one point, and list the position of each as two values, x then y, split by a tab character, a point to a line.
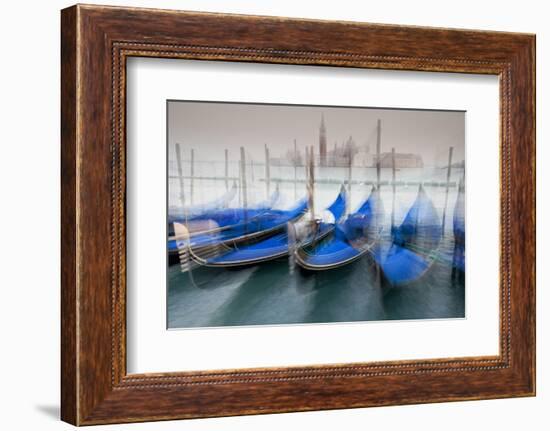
347	153
290	158
342	155
363	158
402	160
293	158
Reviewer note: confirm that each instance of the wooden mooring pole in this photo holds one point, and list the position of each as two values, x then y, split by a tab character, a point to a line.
226	169
243	180
393	188
311	182
312	174
449	165
350	167
378	145
192	174
267	172
180	174
295	169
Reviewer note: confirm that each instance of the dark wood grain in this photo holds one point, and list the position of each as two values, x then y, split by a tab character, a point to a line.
69	398
96	41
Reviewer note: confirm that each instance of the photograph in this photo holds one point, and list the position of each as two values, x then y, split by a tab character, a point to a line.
299	214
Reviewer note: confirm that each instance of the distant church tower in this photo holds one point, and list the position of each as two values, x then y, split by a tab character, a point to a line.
322	142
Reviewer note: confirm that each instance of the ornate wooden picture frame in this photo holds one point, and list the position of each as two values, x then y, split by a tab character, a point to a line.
96	41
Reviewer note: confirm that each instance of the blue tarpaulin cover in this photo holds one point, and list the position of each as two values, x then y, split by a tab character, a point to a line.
268	219
459	230
277	245
407	257
337	249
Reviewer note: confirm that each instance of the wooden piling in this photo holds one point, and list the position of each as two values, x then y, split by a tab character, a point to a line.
192	182
312	174
311	183
243	179
226	169
449	167
180	175
393	188
295	170
306	165
267	172
378	145
350	167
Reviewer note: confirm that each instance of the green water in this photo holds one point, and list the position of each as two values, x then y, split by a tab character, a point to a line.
270	294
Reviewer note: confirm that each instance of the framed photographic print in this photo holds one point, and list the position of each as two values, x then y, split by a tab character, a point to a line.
267	215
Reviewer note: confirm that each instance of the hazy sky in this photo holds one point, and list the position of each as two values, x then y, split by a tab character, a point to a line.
209	128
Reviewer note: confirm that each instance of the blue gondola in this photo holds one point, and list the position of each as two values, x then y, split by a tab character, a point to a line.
261	226
351	239
459	231
413	245
258	226
272	247
219	218
224	224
